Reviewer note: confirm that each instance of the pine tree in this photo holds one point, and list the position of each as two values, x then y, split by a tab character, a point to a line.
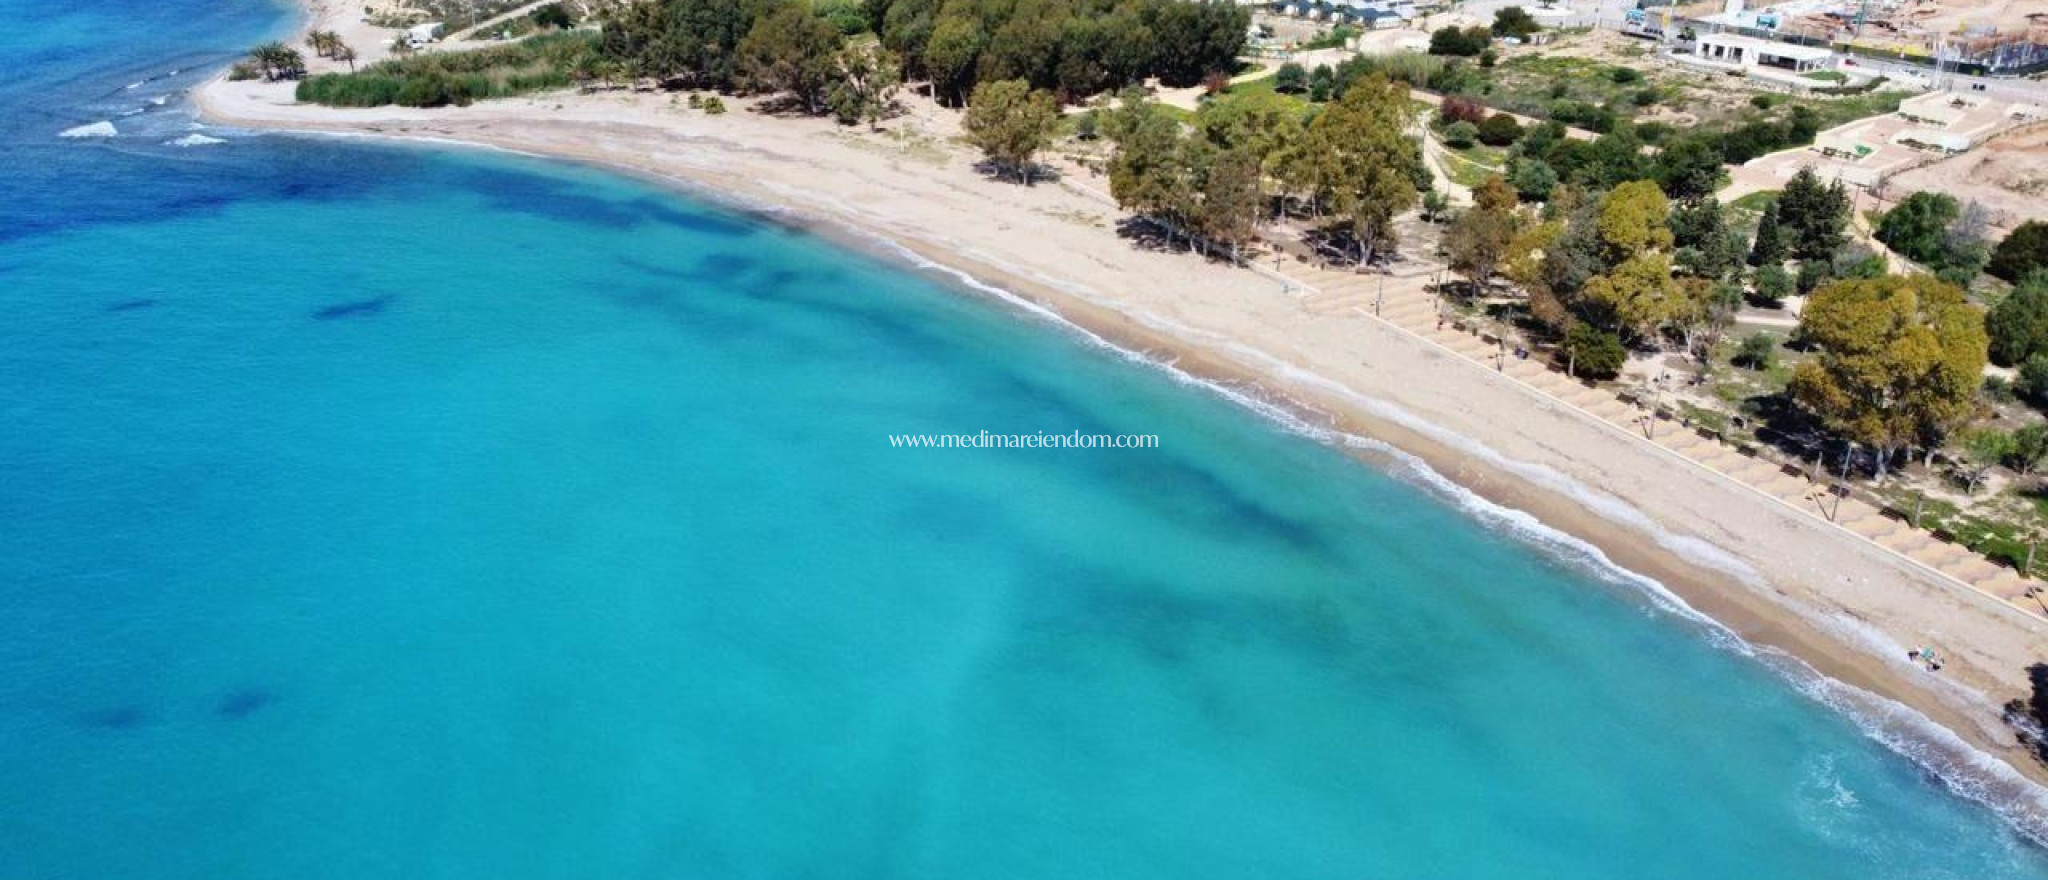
1769	247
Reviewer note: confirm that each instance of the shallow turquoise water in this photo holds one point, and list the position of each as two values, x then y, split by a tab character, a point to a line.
374	512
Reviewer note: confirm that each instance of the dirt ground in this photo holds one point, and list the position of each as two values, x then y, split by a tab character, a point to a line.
2008	175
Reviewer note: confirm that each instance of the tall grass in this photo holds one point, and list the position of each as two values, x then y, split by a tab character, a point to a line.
438	79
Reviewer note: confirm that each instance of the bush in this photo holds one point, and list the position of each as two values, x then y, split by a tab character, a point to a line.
1499	130
713	106
1646	97
1772	284
1622	76
1591	351
1460	135
1455	109
1290	79
553	15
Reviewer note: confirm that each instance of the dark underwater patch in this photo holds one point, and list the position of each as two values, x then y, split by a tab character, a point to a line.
243	703
358	309
116	718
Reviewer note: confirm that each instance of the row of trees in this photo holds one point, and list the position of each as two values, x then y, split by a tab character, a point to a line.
1074	48
774	47
271	62
328	44
1351	168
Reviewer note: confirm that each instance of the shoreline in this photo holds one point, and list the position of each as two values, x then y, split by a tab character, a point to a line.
1762	614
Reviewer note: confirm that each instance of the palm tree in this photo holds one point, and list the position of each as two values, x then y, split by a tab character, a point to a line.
345	52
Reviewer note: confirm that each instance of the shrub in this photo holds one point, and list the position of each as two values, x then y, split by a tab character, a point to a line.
1460	135
1499	130
442	78
1772	284
1646	97
1290	79
1455	109
713	106
1622	76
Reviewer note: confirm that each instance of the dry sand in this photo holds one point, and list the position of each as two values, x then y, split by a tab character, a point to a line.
1775	576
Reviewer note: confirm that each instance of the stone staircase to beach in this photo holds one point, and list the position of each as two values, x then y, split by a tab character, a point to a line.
1404	300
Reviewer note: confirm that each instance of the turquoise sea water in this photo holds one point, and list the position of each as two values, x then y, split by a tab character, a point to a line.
378	512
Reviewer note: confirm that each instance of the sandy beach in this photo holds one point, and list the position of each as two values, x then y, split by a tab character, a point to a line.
1776	577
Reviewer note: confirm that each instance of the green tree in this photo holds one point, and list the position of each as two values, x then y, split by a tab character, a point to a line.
1769	248
1146	175
1642	296
1814	216
792	50
2023	252
2029	446
1478	240
1591	351
1899	361
1634	217
1010	123
278	61
1772	284
1706	247
950	56
1229	198
1983	449
1514	21
869	77
1533	179
1759	351
1689	168
1368	165
1918	227
2018	325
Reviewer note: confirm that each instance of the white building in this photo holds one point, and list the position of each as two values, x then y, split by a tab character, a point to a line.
1749	53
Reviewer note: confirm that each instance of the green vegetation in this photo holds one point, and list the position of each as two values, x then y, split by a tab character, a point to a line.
271	62
1899	365
1011	123
2022	253
1932	229
442	78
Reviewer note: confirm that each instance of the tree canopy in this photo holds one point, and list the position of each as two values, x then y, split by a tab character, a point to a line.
2022	253
1010	122
1900	360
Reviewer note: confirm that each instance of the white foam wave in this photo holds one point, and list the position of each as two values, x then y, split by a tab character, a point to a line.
136	85
159	100
102	128
194	140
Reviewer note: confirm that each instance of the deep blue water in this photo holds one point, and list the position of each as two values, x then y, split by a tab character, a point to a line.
380	512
